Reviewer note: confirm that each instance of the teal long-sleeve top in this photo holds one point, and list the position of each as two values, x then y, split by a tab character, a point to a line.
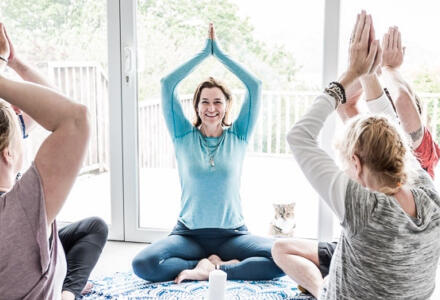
210	195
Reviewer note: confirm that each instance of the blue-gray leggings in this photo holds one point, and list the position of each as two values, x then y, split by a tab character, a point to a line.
184	248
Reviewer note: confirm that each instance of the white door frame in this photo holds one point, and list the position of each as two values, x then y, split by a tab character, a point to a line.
124	105
133	231
329	73
116	227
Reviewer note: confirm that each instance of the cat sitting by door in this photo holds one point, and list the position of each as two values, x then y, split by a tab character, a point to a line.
283	224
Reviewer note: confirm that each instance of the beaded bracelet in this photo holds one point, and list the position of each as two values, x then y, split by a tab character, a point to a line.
337	91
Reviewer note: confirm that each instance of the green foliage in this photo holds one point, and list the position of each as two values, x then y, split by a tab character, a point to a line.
427	82
45	30
168	31
171	31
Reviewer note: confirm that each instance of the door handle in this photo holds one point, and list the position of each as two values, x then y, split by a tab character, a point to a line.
128	63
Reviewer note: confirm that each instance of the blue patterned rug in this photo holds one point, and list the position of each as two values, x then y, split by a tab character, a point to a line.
129	286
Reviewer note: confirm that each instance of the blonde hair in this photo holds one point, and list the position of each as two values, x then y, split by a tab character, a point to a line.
382	148
8	125
212	83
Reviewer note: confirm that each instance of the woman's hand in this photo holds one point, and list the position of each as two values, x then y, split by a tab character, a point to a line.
364	51
12	54
4	46
211	32
393	52
363	58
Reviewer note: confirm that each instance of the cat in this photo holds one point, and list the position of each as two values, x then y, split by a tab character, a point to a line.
283	224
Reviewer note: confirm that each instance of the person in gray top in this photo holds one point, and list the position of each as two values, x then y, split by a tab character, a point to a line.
32	260
387	205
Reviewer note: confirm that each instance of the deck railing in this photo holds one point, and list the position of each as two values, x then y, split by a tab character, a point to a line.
279	111
87	83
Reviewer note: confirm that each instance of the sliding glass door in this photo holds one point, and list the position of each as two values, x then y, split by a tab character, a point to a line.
66	41
274	42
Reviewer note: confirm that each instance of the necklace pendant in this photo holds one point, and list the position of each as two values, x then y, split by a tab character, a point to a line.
211	162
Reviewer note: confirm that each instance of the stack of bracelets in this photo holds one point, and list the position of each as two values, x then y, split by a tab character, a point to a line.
336	90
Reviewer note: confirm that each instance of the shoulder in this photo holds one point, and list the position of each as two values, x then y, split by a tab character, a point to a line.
360	201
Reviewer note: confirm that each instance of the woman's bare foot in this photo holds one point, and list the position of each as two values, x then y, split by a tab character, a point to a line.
67	295
216	260
200	272
87	289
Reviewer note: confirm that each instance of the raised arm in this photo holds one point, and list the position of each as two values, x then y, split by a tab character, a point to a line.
27	73
400	90
175	119
60	157
350	108
376	99
319	168
370	83
371	88
245	122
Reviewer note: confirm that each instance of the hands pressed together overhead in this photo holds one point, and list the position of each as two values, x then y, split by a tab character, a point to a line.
4	46
367	56
393	52
211	32
7	50
364	50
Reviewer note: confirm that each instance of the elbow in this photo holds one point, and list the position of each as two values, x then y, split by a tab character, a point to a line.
293	137
255	87
167	83
258	84
300	139
163	81
81	120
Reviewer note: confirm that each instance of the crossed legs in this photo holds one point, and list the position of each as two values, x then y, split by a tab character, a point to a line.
179	257
83	242
300	261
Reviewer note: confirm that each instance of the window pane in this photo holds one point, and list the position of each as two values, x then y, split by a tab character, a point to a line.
277	43
67	42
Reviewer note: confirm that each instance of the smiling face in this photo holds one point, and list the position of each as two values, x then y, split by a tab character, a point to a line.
212	106
212	103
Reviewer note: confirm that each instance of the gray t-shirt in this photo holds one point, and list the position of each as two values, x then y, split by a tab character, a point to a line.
384	252
30	266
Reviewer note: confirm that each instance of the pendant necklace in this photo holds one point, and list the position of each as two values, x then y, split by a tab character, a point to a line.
211	153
